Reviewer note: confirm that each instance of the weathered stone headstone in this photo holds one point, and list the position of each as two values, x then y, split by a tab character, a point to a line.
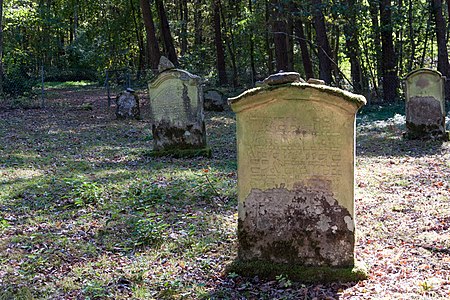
165	64
214	100
425	105
127	105
176	101
296	174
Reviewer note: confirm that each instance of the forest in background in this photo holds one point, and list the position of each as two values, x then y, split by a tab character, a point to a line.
363	46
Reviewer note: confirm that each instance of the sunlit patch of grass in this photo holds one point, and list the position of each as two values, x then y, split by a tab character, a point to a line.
68	84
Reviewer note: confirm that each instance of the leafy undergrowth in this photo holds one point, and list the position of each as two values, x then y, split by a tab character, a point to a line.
85	214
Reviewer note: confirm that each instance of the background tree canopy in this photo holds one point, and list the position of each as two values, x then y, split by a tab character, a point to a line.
364	46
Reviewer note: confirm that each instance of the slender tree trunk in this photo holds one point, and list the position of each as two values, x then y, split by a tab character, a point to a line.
184	18
220	53
388	61
352	45
1	48
290	37
281	51
139	39
443	65
399	44
230	44
198	34
306	59
152	42
335	51
411	37
374	6
269	38
252	46
165	32
427	36
324	51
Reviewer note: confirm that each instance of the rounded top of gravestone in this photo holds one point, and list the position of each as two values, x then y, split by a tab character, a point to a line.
283	78
259	96
165	64
424	71
130	90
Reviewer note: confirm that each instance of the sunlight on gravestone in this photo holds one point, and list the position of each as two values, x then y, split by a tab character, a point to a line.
296	174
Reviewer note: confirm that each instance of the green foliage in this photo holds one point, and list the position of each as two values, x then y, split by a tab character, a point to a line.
95	290
150	231
15	293
82	192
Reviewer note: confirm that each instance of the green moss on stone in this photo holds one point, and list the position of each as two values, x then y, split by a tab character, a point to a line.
180	153
358	100
269	271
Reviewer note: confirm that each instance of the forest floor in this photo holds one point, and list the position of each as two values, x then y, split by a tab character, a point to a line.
86	213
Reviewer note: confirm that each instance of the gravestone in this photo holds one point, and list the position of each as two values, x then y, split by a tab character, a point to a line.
296	174
176	103
127	105
425	105
214	100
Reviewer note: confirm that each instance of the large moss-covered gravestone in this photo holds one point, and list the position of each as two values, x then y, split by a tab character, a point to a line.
176	101
425	105
296	176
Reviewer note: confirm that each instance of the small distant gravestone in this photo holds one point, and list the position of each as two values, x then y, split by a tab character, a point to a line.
425	105
214	100
176	102
127	105
165	64
296	174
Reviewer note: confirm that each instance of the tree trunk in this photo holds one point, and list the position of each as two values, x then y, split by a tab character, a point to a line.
198	34
443	65
412	41
306	59
352	45
165	32
269	38
220	53
280	39
388	60
184	13
427	35
152	42
290	37
324	51
230	44
139	39
374	6
1	48
252	46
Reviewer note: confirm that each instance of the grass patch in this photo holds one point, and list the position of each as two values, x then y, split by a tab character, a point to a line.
68	84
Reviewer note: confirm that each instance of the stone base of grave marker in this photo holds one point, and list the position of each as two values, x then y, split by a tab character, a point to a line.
303	226
127	106
181	141
424	119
